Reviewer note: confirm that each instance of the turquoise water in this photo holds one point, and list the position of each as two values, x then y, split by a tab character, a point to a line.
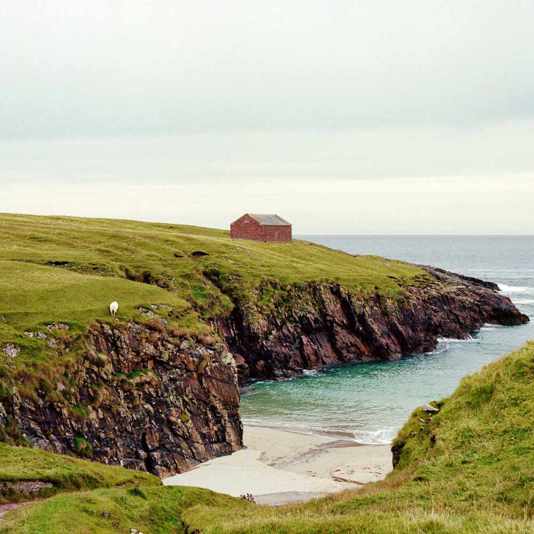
370	402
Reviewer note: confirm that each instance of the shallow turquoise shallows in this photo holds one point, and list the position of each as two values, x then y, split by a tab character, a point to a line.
370	402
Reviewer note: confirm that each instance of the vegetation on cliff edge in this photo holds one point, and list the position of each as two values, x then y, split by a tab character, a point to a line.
58	473
59	274
467	468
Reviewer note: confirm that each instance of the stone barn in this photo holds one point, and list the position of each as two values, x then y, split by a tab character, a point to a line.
261	228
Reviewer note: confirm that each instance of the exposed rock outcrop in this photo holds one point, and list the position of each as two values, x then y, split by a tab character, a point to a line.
139	398
19	490
313	325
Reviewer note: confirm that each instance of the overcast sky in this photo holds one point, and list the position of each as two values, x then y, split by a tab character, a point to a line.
360	116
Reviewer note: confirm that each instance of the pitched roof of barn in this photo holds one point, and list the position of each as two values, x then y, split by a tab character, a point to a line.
269	219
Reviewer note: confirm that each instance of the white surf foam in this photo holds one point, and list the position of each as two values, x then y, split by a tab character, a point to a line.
374	437
491	326
440	349
515	290
447	340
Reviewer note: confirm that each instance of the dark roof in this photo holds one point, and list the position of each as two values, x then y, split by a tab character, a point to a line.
269	219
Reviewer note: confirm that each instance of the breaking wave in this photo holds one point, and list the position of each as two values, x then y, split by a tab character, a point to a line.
375	437
447	340
440	349
491	326
515	290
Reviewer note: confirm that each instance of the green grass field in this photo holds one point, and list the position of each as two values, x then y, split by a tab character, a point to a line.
68	270
110	248
63	473
467	469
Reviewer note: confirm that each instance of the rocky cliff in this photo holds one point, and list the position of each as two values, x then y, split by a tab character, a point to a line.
146	397
313	325
138	397
157	388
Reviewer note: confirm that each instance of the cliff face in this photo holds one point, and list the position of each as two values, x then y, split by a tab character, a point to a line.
313	325
149	390
139	398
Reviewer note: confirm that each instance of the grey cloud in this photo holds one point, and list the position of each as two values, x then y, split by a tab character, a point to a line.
344	115
157	68
379	153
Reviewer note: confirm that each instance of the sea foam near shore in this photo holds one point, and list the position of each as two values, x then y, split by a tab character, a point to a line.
375	437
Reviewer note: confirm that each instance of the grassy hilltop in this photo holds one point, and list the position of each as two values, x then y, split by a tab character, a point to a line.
67	271
467	469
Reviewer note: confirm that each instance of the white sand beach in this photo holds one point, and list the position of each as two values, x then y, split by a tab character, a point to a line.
281	466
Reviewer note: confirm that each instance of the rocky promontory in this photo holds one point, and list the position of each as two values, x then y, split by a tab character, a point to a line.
314	325
157	387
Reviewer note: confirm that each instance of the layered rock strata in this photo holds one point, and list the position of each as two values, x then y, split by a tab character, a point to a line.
314	325
138	397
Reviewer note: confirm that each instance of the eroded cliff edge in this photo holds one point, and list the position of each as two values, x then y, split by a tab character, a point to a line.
138	397
313	325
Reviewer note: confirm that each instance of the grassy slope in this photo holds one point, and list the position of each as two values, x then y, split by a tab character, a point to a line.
151	510
469	468
106	247
65	473
67	270
59	269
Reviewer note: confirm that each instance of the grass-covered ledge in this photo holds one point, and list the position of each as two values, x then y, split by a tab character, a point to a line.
467	468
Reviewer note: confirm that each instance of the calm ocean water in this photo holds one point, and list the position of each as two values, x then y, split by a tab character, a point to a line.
370	402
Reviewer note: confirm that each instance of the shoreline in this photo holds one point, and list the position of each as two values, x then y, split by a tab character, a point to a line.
284	466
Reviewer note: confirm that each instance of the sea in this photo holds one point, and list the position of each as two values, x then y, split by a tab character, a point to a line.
369	402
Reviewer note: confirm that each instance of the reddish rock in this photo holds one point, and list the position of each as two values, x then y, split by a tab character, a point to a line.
137	400
320	324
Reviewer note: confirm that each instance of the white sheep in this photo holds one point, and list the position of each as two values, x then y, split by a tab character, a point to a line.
113	308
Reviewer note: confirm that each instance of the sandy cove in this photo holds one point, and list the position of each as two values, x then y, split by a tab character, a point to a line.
281	466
